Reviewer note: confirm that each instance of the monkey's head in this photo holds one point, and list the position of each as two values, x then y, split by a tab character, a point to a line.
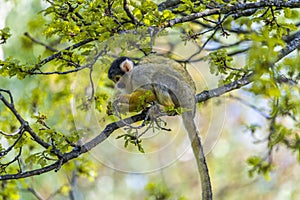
119	67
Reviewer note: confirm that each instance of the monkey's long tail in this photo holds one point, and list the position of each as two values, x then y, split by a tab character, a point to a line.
188	120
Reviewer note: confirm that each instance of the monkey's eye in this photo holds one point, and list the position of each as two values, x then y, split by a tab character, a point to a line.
117	78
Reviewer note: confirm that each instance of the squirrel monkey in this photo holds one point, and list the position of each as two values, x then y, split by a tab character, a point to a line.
157	79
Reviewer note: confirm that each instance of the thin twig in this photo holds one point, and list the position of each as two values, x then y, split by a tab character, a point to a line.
78	67
34	193
58	54
10	134
40	43
13	160
216	28
7	150
266	116
73	183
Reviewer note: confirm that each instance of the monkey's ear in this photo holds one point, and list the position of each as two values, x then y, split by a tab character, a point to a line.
126	65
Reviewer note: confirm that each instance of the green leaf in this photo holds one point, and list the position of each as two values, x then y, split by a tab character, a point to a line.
140	148
4	35
287	12
254	160
126	143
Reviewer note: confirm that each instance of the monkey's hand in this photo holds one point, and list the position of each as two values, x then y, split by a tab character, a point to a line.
134	102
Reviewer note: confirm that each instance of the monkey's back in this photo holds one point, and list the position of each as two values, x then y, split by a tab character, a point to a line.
166	78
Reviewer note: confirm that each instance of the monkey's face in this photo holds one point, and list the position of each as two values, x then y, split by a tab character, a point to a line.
119	67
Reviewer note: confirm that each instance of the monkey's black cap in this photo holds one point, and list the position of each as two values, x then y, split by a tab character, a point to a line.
115	68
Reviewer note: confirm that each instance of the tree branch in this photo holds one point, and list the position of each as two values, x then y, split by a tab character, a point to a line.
208	94
191	17
24	124
238	7
39	42
58	54
129	13
78	67
168	4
